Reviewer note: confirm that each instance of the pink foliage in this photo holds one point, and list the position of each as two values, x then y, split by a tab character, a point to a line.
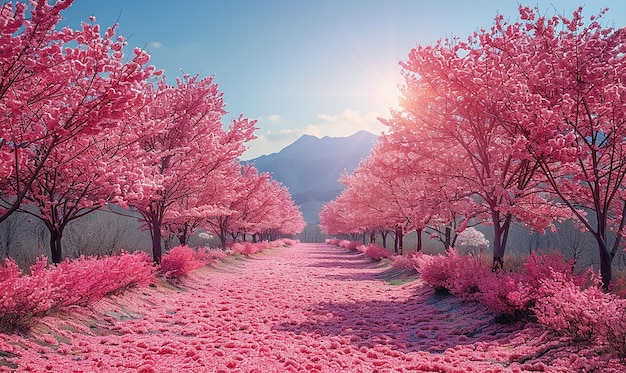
567	308
289	241
350	245
376	252
245	248
209	256
73	282
406	262
456	273
540	266
506	293
181	260
249	248
573	305
312	308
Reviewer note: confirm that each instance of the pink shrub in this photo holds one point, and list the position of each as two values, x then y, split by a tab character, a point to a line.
209	256
405	261
88	279
567	308
613	326
290	242
505	293
542	266
23	297
264	245
332	241
376	252
350	245
181	260
245	248
456	273
73	282
361	249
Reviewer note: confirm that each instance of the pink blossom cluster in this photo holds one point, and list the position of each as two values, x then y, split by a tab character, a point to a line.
80	281
346	244
309	308
548	289
249	248
373	251
182	259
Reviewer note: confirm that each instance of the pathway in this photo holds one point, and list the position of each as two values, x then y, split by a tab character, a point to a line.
306	308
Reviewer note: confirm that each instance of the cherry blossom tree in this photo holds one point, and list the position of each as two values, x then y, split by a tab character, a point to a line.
452	112
82	175
30	48
567	85
64	96
259	206
188	149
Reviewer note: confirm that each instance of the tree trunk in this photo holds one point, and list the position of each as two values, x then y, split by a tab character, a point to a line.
419	240
383	234
155	229
372	236
448	238
223	240
183	234
606	264
398	247
501	234
55	245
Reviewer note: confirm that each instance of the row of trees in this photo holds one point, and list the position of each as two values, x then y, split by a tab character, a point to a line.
83	125
524	122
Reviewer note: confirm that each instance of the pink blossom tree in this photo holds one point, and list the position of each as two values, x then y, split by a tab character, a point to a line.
452	113
566	85
56	87
188	148
259	205
65	107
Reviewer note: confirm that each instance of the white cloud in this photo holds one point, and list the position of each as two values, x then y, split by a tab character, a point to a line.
155	45
329	118
274	118
349	122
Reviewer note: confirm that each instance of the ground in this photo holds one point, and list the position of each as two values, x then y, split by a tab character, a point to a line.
304	308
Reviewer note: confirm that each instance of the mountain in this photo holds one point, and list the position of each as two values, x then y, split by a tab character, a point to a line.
310	167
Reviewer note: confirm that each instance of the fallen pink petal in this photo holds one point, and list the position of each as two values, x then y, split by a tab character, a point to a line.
303	308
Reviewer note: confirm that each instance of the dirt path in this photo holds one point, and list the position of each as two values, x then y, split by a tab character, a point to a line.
306	308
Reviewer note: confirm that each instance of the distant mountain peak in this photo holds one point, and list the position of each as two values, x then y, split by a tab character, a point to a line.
310	167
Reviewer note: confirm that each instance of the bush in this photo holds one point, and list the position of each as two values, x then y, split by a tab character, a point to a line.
565	307
181	260
290	242
613	327
350	245
209	256
405	261
245	248
376	252
446	272
73	282
506	294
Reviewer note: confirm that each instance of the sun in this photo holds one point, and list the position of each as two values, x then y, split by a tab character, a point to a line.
386	90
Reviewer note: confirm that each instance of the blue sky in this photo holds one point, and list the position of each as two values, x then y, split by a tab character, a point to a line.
319	67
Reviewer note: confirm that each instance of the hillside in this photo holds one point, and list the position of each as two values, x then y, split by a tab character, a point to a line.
310	167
